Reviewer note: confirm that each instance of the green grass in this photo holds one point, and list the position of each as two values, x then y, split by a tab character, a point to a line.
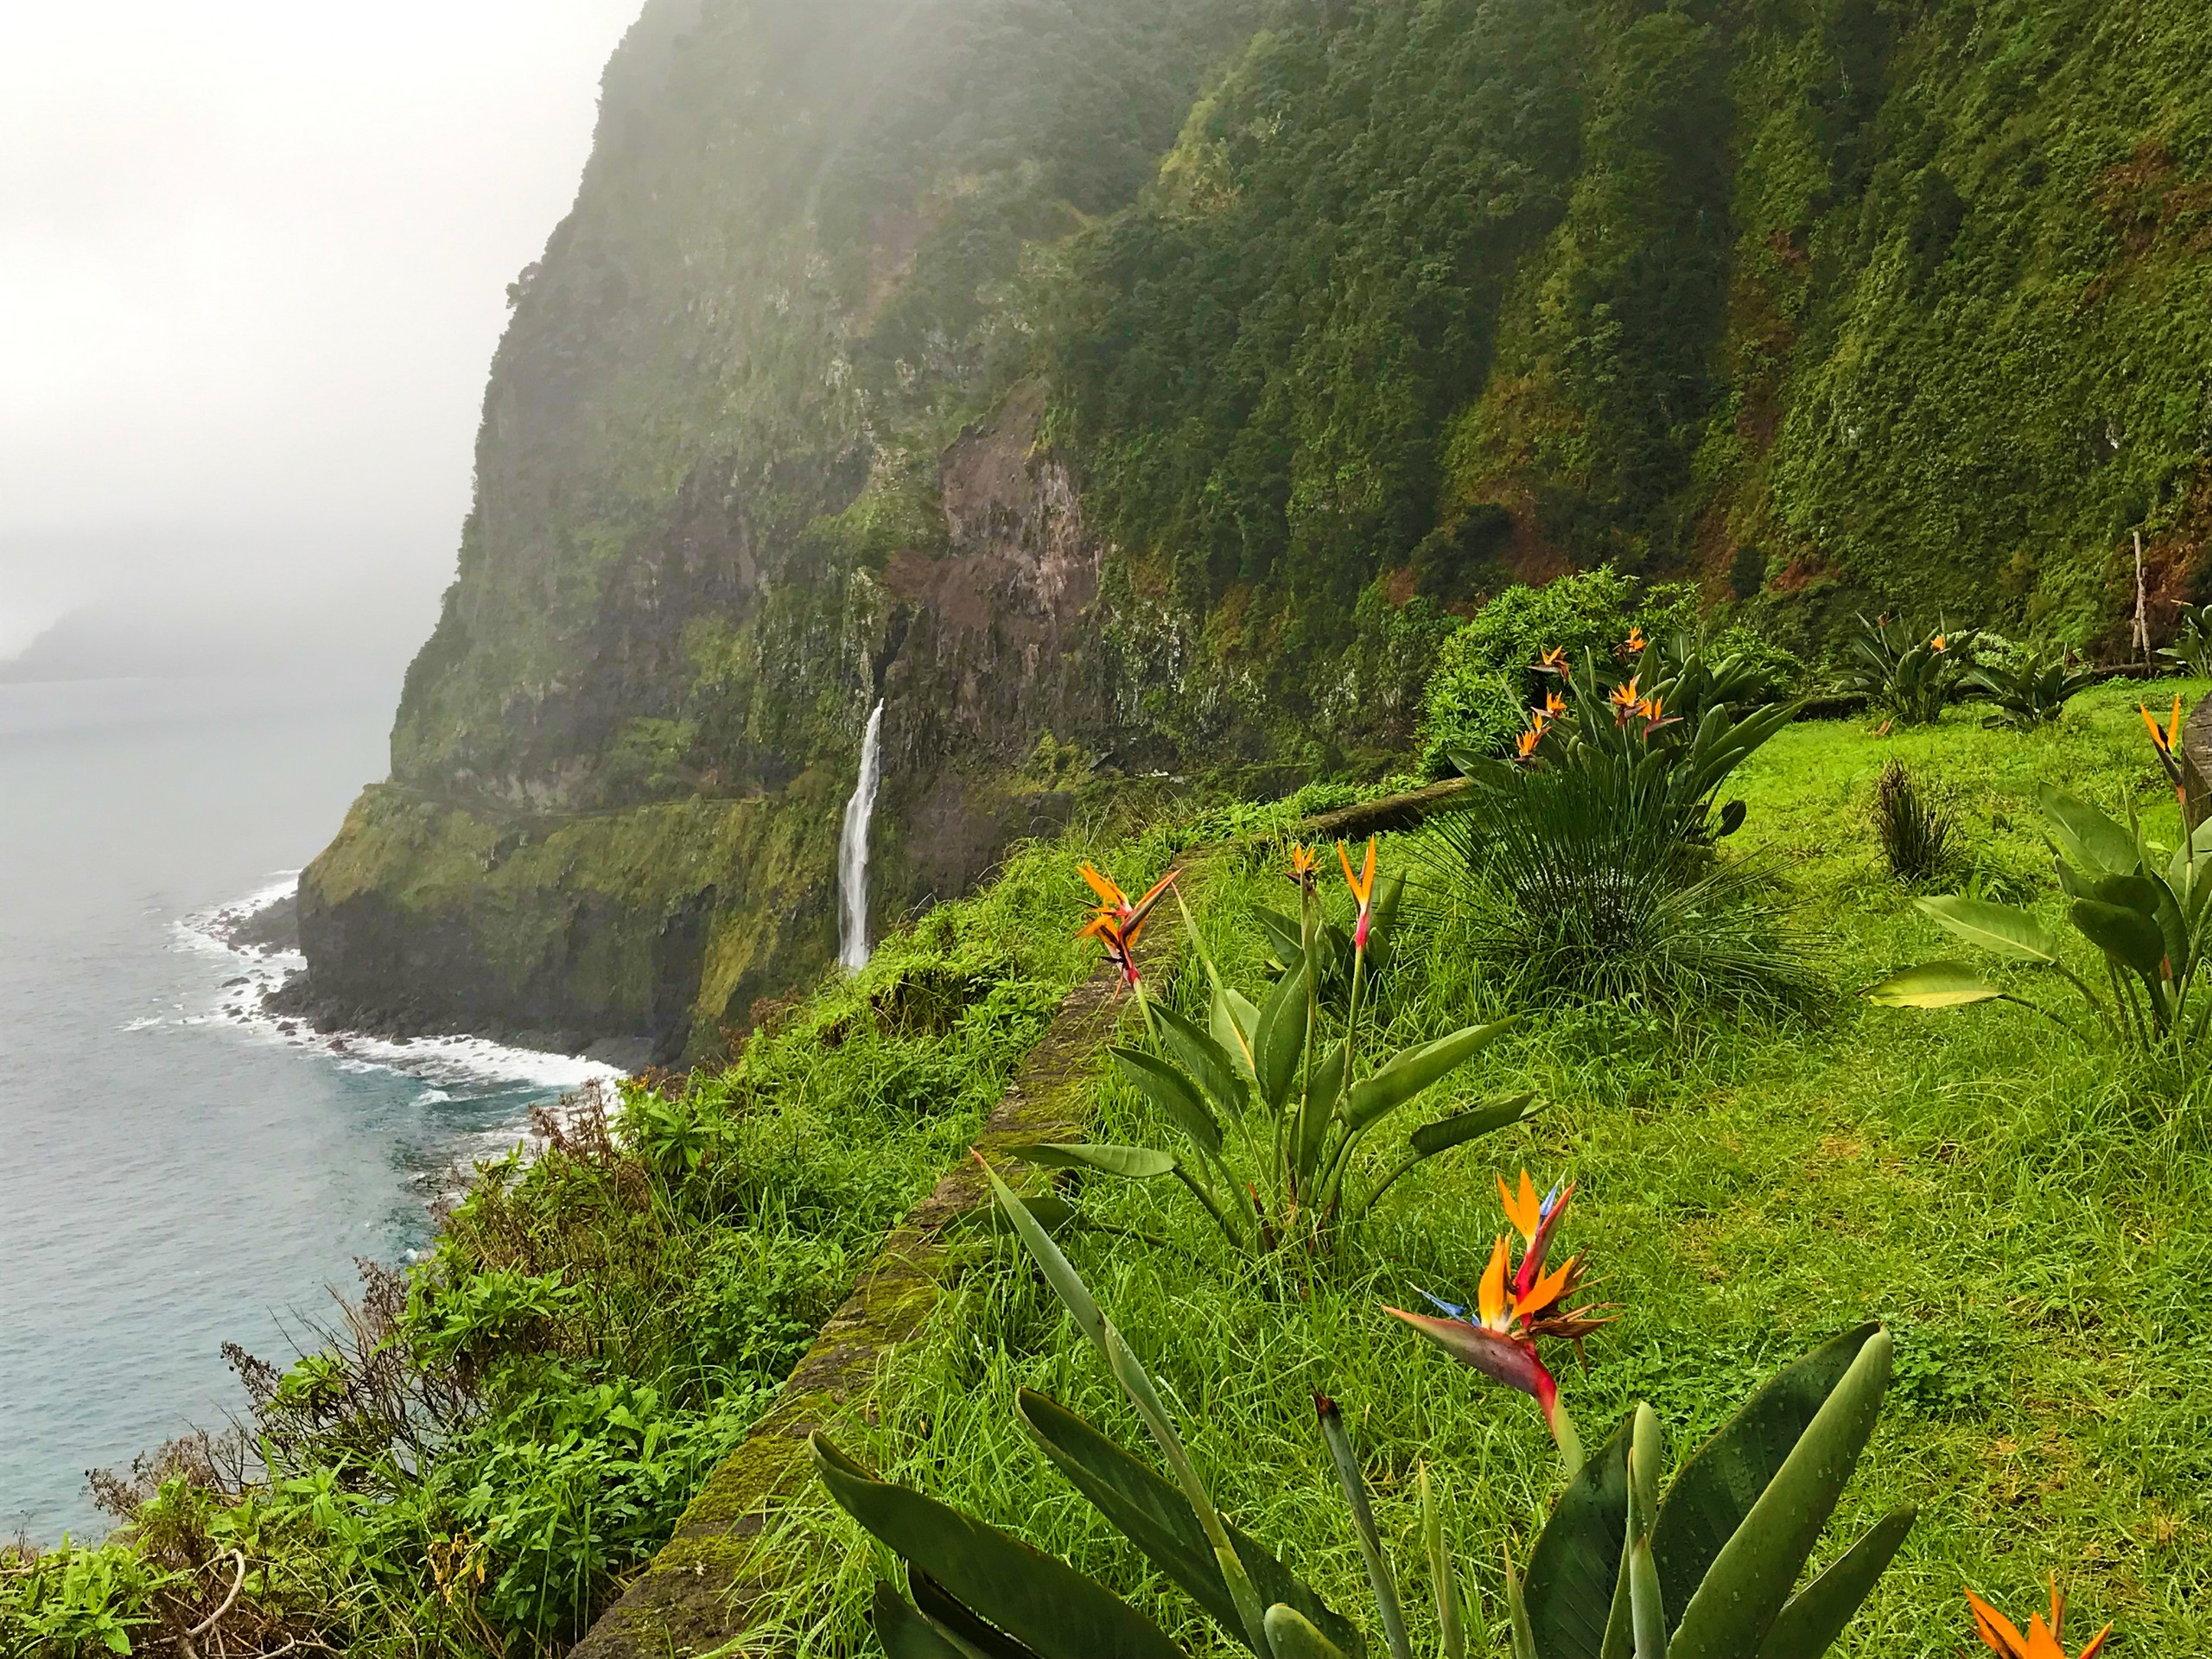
2027	1216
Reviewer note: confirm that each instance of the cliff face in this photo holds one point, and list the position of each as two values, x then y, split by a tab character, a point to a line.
1146	382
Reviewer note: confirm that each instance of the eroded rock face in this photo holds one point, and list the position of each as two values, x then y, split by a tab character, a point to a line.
717	518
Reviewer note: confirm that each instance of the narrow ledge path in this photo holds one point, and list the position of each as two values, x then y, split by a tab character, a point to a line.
709	1584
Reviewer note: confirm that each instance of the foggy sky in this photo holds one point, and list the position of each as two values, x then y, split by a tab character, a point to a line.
253	262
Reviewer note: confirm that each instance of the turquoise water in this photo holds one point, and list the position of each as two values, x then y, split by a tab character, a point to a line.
176	1173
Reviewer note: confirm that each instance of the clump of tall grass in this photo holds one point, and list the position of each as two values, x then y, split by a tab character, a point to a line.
1913	825
1569	885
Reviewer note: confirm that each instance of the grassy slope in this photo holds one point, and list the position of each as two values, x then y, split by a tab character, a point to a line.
2029	1226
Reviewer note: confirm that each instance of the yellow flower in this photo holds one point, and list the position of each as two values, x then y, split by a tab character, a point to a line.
1636	641
1553	661
1305	863
2042	1641
1524	747
1936	644
1555	705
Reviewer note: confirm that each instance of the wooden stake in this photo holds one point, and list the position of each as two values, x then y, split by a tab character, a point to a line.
2142	622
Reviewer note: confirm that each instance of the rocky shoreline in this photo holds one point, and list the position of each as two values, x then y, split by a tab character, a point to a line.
271	931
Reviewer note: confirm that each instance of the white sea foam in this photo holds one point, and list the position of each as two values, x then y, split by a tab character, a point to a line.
445	1063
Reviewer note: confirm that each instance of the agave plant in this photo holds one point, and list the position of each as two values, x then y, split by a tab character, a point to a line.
1909	675
2029	685
1707	1571
2144	916
1305	1062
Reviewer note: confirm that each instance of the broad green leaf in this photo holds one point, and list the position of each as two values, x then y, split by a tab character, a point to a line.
1047	1208
1750	1581
1155	1516
1205	1060
2149	897
2085	835
1718	1483
1041	1603
1293	1636
946	1619
1283	937
1410	1071
1234	1021
2005	929
1281	1040
1131	1163
1463	1126
906	1634
1174	1094
1059	1272
1316	1110
1933	985
1577	1560
2127	935
1815	1616
1382	918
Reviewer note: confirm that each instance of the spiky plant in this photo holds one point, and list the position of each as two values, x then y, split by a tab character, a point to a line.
1914	828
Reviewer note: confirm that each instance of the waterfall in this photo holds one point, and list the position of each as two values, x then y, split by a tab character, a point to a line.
852	846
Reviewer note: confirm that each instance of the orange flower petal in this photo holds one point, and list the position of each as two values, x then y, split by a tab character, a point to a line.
1549	1290
1525	1210
1106	892
1490	1299
1995	1629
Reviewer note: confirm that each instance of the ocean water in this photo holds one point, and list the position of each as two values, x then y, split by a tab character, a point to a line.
175	1171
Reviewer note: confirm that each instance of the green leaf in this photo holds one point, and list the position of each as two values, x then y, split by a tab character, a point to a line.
1816	1615
1131	1163
1750	1581
1234	1021
1279	1041
1047	1208
1577	1560
1933	985
938	1617
1174	1094
1409	1071
1067	1284
1292	1636
1382	919
2085	835
1463	1126
1283	937
1041	1603
1152	1514
2127	935
1317	1108
1206	1061
2005	929
1718	1483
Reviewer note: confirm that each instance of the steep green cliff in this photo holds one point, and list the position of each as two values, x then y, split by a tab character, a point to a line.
1163	375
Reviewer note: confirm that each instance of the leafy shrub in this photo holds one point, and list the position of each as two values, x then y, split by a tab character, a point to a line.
1571	887
1487	676
1914	830
2028	684
2146	917
1906	675
2192	651
1583	863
